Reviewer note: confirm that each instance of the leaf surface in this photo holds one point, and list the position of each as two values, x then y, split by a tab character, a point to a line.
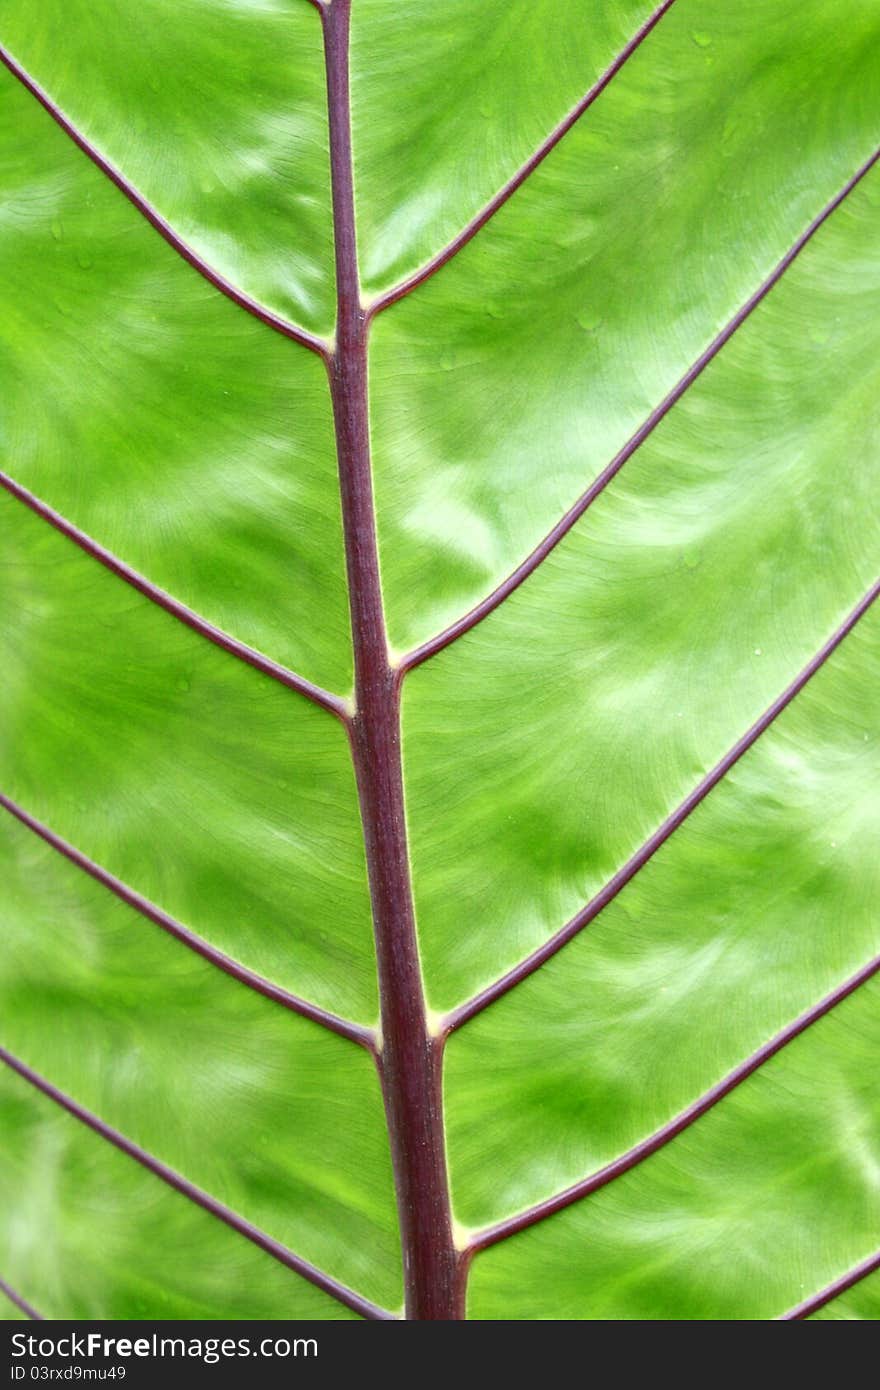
619	275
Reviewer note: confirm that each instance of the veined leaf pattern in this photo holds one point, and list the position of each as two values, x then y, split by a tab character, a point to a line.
439	562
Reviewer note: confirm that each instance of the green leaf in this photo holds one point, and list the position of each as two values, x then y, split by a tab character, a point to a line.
439	549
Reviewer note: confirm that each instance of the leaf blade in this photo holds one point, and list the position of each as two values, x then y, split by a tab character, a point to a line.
195	796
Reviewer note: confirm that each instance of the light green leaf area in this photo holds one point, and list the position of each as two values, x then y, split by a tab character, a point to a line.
92	1236
267	1112
545	746
766	1199
448	100
861	1303
216	111
759	906
507	382
156	416
218	794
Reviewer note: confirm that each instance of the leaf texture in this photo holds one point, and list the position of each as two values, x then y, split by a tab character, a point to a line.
575	347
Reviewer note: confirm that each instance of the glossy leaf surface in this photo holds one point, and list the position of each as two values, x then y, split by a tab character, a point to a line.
686	286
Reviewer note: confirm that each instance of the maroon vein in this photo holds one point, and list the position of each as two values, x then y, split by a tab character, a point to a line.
161	1170
20	1302
411	1059
518	179
333	703
833	1290
156	220
629	870
661	1137
343	1026
599	484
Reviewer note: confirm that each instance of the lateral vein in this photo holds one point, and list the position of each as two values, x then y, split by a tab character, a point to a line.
624	875
528	566
343	1026
355	1301
833	1290
400	291
20	1303
687	1117
334	704
157	221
